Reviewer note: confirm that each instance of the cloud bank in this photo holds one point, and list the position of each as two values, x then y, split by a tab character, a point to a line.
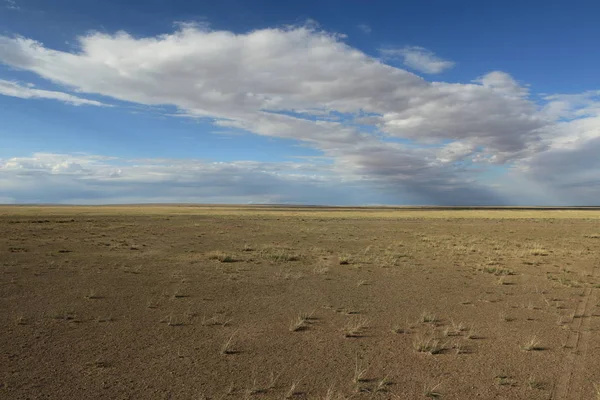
90	179
381	126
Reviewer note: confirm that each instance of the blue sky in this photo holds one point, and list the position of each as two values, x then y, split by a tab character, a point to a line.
320	102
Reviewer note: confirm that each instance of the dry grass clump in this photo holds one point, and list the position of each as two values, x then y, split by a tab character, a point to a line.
498	271
345	259
255	389
431	391
360	373
402	328
503	281
471	334
427	317
504	316
307	316
533	344
459	347
563	320
391	259
427	344
533	383
492	261
216	320
455	329
301	322
273	380
538	250
382	385
278	255
399	329
172	320
228	346
566	281
321	270
292	391
504	380
355	327
221	256
298	324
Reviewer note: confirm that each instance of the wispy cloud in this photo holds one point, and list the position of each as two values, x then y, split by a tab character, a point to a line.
14	89
11	5
365	28
419	59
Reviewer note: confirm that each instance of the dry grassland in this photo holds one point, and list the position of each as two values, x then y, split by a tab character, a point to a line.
188	302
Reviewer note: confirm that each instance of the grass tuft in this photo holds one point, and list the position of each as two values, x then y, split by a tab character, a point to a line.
273	380
382	385
455	329
498	271
345	259
278	255
321	270
355	327
360	373
292	391
533	344
228	346
431	391
427	317
221	256
173	321
533	383
298	324
423	344
537	250
402	328
471	334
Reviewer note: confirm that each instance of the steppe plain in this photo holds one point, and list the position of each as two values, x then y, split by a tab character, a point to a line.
249	302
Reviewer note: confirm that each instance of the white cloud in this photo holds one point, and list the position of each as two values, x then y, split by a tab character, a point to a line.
571	106
375	123
365	28
11	5
248	80
14	89
503	83
568	170
419	59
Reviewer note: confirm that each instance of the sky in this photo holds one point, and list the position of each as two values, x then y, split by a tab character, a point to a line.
332	102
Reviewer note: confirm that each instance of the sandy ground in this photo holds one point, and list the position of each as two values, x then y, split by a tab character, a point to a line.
261	303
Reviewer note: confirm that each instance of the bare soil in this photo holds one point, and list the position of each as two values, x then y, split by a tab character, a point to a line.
300	303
